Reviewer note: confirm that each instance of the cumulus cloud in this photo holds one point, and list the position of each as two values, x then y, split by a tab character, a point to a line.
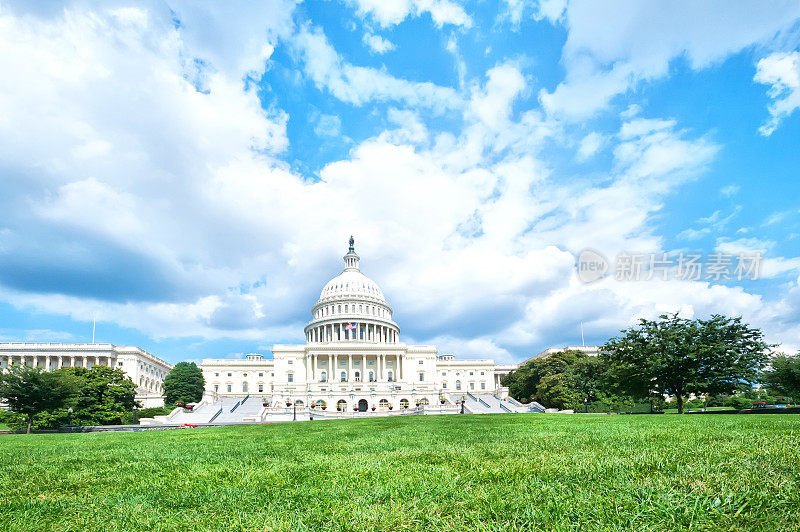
781	71
392	12
144	183
377	44
614	46
359	85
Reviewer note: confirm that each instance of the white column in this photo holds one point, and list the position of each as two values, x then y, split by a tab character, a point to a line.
331	369
60	362
47	363
381	362
349	368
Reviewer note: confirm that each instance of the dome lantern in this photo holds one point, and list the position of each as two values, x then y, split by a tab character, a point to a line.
351	259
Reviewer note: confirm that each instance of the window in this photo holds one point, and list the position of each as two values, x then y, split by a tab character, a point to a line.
444	385
388	362
344	363
470	374
244	387
371	377
344	376
340	308
290	362
421	377
458	385
481	373
421	362
357	376
341	405
260	388
271	374
403	403
472	386
483	386
299	402
391	377
291	377
360	309
345	309
216	374
383	403
216	387
229	388
245	375
230	374
323	363
260	374
323	377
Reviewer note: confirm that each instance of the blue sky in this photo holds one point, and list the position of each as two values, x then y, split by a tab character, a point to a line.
188	173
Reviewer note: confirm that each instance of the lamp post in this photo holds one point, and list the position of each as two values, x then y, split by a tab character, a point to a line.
69	416
586	405
294	409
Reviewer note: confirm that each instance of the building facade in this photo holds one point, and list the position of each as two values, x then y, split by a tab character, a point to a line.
353	358
145	370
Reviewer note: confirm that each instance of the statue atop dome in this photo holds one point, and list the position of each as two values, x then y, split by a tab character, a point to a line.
352	244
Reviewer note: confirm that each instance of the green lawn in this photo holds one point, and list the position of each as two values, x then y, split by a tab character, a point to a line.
504	472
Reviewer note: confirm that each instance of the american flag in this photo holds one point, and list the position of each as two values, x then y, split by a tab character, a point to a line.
349	326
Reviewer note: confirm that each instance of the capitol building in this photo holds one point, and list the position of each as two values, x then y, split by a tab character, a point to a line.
354	359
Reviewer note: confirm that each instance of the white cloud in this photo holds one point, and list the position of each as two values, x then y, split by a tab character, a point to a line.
116	162
392	12
730	190
589	145
359	85
614	46
377	44
782	72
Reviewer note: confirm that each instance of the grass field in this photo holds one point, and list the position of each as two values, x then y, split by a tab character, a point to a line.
505	472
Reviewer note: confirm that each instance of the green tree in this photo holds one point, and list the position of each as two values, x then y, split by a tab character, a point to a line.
106	395
30	391
677	356
563	380
184	384
783	376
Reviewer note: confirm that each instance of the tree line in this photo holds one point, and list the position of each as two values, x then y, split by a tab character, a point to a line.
36	399
716	359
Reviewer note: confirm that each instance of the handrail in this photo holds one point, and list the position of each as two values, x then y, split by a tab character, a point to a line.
246	397
471	396
484	403
215	415
236	406
504	407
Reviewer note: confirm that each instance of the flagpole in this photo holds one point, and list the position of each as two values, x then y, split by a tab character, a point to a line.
582	340
94	324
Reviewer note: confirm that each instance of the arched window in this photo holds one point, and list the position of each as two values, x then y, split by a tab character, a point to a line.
321	403
323	377
403	403
458	385
383	403
340	309
391	376
344	376
424	401
371	377
360	309
341	405
345	309
299	402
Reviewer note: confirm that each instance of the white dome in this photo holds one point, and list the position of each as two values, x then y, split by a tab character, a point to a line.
352	283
